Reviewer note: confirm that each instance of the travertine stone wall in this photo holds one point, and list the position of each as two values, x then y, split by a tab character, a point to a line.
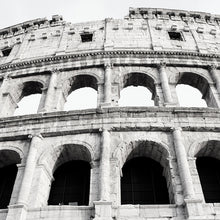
49	57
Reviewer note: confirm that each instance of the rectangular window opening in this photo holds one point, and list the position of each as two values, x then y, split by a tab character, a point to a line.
86	37
6	52
175	36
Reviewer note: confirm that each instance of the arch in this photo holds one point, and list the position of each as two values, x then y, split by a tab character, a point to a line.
78	81
135	96
198	148
8	172
83	98
139	80
207	153
199	82
143	182
124	150
15	149
158	152
71	184
9	156
60	157
201	73
79	73
189	96
53	157
27	97
209	174
29	87
150	72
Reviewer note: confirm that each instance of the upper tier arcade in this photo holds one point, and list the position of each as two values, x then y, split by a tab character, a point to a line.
143	30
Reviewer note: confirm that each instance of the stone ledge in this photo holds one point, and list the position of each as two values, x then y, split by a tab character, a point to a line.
49	59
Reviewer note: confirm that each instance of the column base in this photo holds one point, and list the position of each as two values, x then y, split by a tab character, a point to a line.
103	210
17	212
170	104
105	105
194	209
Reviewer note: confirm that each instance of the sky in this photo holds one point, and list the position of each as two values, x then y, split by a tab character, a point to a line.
77	11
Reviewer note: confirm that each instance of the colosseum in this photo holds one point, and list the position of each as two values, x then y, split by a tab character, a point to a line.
111	162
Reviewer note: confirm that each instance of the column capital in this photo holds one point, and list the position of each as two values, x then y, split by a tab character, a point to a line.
94	164
212	66
7	77
108	65
31	136
162	64
55	70
45	88
20	166
176	129
103	129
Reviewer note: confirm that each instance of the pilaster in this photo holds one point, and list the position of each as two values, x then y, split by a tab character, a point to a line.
165	84
18	211
105	166
103	208
183	165
50	93
193	206
214	75
107	84
7	102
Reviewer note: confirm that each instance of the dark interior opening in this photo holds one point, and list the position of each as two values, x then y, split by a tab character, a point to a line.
86	37
6	52
71	184
175	36
195	81
82	81
209	174
143	182
139	79
31	88
7	179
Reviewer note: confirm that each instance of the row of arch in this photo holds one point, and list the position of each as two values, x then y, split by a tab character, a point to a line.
145	169
137	89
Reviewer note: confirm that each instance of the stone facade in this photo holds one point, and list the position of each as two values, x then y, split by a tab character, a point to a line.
155	48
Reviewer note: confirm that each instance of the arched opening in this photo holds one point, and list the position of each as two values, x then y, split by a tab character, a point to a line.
8	175
138	90
141	161
29	98
8	172
135	96
189	96
143	183
208	167
81	99
209	174
82	93
71	184
194	91
71	171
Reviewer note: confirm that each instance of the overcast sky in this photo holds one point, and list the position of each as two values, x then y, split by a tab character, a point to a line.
17	11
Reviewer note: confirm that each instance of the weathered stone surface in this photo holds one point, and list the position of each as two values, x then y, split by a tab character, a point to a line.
51	57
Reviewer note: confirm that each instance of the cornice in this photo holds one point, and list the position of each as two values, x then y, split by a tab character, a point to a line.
64	58
115	119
